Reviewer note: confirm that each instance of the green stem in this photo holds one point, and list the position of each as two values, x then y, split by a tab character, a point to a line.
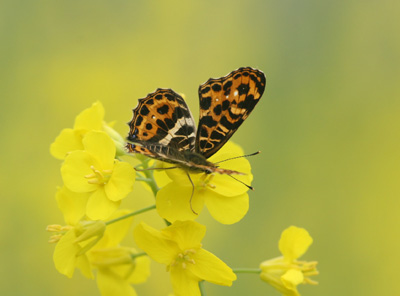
131	214
246	270
150	180
134	256
147	180
149	174
201	287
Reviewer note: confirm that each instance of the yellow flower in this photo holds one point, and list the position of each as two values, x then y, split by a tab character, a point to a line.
117	266
94	170
179	247
226	198
286	272
90	119
72	244
92	245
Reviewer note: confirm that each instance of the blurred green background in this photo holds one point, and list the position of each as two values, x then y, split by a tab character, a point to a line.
328	126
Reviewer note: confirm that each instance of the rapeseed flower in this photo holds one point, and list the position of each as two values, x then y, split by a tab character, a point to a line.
118	267
225	198
73	242
285	273
179	247
90	119
95	170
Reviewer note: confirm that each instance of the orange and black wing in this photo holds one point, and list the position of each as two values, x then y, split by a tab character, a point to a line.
162	119
224	104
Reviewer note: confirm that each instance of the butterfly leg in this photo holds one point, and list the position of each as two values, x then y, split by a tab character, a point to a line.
191	197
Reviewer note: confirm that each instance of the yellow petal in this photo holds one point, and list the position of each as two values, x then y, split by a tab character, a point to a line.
90	118
187	234
180	176
226	185
141	271
71	204
229	147
226	209
212	269
64	256
173	203
115	232
99	207
67	141
74	169
121	181
111	284
161	176
83	264
101	147
155	244
294	242
184	283
292	278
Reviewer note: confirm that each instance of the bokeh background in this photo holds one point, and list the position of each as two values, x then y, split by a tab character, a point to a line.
328	126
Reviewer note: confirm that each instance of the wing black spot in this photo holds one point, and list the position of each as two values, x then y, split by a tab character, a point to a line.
139	120
218	110
144	111
170	97
238	75
216	87
205	90
162	124
169	122
225	105
204	133
163	109
205	103
216	135
228	85
234	116
208	121
243	89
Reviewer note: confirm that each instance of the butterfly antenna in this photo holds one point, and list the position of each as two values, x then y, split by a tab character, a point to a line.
151	169
248	186
190	201
247	155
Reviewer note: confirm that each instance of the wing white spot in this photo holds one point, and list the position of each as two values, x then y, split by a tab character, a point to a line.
171	133
235	93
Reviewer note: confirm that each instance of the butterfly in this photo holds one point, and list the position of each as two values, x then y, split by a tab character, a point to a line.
163	127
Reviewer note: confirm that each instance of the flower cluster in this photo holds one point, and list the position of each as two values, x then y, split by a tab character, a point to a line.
96	179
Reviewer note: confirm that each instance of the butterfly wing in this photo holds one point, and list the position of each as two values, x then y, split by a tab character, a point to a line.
224	104
161	120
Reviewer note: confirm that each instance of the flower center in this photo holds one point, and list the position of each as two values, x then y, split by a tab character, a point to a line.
99	177
60	231
205	181
184	258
